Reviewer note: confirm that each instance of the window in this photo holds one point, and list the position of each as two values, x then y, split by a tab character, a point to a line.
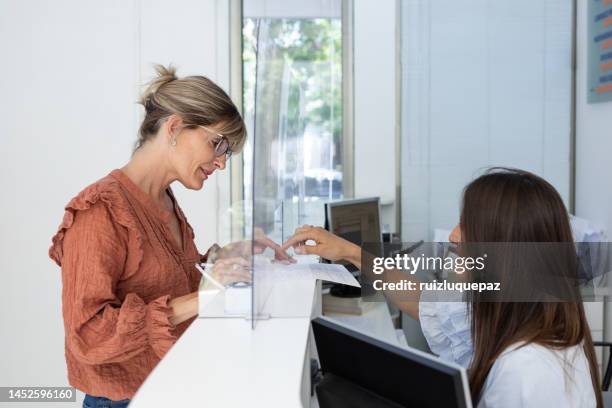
293	107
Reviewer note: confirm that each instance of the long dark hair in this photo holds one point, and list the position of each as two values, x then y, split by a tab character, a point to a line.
509	205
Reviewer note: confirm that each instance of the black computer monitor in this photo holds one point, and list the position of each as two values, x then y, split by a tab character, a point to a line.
362	371
357	221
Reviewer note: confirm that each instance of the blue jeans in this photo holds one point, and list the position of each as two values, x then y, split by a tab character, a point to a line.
101	402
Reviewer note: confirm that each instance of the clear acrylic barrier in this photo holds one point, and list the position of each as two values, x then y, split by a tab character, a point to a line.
219	297
294	163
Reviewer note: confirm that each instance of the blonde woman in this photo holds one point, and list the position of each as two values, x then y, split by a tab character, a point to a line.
126	250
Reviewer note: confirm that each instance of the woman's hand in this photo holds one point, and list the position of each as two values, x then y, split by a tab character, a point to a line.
327	245
183	307
230	270
245	249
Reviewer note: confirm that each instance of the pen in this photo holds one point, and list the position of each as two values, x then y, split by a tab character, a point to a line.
208	277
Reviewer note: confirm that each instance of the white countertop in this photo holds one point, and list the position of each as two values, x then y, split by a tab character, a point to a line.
375	322
222	362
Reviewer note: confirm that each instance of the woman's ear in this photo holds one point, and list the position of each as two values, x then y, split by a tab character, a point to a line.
173	126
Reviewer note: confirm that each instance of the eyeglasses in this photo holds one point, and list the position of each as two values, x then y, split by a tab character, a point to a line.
222	146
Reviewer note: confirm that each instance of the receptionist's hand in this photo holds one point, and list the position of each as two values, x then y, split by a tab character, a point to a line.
326	244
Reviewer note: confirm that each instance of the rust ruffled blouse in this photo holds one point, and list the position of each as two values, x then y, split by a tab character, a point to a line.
120	267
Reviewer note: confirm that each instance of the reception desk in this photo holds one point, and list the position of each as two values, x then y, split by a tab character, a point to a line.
222	362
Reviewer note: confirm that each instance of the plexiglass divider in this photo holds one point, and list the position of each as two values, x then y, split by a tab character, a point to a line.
292	103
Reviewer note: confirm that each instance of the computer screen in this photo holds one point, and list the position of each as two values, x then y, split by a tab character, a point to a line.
375	369
357	221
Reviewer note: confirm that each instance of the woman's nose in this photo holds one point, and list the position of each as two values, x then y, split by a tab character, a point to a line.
455	235
220	162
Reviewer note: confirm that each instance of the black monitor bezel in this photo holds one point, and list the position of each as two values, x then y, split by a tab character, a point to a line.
457	373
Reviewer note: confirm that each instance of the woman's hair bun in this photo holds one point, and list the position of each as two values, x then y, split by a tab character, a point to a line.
197	100
164	76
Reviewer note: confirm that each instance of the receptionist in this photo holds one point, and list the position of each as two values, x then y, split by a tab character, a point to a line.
519	354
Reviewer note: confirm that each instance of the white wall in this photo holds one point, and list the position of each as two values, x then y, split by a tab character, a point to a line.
69	79
483	84
375	118
593	158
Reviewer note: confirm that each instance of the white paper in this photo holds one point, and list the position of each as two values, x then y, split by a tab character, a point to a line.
278	273
289	290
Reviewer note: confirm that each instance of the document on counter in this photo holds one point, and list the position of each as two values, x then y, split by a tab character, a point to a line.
289	290
315	271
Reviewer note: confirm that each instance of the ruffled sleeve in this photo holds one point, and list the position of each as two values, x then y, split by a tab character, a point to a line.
91	247
446	328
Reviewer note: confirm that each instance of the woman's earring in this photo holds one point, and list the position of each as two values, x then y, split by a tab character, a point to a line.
173	142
